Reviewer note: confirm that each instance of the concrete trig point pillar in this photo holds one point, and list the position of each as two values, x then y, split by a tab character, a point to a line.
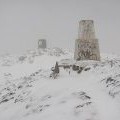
42	43
86	46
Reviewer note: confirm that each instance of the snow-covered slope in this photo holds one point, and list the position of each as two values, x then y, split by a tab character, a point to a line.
28	93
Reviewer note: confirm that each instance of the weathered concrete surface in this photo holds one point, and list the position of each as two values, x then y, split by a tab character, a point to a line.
86	46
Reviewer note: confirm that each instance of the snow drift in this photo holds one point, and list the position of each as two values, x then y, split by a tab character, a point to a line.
28	93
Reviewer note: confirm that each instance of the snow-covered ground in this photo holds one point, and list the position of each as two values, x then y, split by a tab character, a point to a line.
28	93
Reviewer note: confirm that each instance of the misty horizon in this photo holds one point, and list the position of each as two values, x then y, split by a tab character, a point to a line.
23	23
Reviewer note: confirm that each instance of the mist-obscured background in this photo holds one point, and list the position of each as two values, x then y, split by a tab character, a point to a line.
23	22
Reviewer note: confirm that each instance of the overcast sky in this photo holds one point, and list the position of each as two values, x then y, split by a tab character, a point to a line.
23	22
